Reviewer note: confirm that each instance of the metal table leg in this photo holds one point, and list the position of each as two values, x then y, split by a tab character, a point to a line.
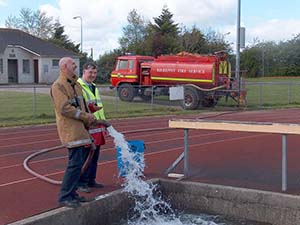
186	152
284	163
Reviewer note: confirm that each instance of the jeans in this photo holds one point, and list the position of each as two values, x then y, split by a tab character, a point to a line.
89	176
72	174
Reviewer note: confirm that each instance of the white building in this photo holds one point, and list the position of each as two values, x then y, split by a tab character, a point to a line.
26	59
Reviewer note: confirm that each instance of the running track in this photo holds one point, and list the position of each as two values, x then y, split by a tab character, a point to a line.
241	159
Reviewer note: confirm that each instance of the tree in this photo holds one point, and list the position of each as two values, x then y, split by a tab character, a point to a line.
193	41
288	57
164	23
59	38
133	34
164	34
272	59
216	42
251	61
35	23
105	64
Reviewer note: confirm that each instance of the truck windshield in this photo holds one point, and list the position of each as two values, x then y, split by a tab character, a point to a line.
122	64
131	64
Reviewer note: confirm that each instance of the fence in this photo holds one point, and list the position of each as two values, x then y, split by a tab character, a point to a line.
28	104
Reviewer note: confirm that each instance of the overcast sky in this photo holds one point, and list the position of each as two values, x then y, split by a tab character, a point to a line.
103	20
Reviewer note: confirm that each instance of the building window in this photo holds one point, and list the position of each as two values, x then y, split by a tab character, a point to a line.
55	62
46	70
1	65
26	66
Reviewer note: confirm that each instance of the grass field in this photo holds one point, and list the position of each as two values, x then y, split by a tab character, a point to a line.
18	108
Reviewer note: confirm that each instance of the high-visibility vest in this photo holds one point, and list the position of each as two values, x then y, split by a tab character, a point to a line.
90	97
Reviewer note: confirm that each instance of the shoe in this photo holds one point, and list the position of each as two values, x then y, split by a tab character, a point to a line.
81	198
96	185
84	189
69	203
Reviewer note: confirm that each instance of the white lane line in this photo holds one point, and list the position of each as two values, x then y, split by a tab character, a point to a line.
147	154
108	149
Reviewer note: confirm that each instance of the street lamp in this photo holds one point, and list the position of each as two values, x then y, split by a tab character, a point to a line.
79	17
227	33
238	46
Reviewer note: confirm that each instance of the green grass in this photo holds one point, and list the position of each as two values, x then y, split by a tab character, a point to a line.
275	95
274	79
280	95
17	108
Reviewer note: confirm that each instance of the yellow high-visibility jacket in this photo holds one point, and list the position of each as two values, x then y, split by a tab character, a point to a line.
90	97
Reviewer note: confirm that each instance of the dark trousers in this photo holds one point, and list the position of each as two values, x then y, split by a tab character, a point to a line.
72	174
89	176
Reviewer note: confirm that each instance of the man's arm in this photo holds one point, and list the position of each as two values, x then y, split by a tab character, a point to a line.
67	107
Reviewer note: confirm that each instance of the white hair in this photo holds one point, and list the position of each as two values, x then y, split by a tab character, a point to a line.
63	61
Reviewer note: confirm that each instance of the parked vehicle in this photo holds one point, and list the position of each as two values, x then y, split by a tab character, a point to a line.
205	78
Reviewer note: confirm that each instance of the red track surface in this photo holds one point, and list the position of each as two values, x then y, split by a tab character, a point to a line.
241	159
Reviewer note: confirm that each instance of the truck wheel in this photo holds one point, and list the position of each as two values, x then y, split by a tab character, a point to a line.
126	92
191	98
145	95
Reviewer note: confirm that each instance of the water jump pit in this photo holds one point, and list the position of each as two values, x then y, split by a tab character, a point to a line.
235	206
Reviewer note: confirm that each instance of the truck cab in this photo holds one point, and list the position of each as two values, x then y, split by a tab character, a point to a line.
126	76
127	69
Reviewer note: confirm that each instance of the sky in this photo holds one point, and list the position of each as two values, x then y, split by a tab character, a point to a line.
103	20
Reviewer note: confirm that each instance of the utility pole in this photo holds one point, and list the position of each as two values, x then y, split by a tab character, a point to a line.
238	46
263	63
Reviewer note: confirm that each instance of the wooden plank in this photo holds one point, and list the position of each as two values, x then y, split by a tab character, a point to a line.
264	127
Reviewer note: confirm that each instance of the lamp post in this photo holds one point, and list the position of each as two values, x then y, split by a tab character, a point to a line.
79	17
225	34
238	46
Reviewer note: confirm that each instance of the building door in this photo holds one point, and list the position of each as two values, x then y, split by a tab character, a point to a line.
12	70
36	70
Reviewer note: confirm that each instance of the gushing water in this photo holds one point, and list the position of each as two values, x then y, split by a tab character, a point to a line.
150	208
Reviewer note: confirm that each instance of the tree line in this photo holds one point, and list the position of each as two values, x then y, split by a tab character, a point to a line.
162	37
272	59
165	36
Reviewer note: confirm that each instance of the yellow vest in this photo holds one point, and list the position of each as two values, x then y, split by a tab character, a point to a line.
89	97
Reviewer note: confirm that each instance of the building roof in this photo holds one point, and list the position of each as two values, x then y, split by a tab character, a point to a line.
35	45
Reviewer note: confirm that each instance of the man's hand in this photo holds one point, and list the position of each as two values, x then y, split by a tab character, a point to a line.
97	107
104	122
91	118
93	107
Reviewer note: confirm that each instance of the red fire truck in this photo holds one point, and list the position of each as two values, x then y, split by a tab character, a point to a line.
205	78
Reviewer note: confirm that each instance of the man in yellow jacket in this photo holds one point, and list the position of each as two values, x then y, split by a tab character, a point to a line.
92	98
72	122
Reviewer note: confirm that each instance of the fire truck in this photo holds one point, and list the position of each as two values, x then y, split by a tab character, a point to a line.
205	78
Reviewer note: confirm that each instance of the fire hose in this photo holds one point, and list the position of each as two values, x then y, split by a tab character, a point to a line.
46	150
32	172
206	89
